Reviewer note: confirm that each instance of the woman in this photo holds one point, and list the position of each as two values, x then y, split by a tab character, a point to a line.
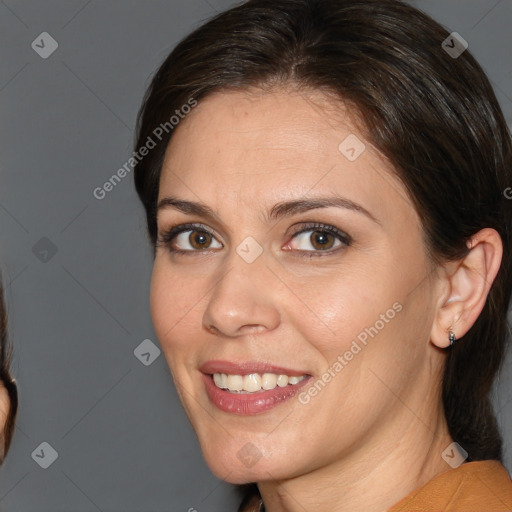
8	388
324	193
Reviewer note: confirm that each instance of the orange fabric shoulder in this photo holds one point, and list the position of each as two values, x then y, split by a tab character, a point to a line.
480	486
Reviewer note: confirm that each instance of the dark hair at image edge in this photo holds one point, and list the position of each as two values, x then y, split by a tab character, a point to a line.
434	117
6	351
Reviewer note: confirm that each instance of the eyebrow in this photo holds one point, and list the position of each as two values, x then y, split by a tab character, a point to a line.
279	210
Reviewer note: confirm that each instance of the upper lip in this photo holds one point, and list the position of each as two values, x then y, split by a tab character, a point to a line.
246	368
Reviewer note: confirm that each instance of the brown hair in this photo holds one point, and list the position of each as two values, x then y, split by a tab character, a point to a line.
6	351
435	117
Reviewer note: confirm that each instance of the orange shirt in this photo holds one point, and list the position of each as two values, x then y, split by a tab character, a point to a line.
480	486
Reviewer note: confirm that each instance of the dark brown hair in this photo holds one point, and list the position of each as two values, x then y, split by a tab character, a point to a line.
435	117
6	351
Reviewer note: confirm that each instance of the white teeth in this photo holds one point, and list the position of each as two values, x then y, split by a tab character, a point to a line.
221	380
253	382
235	382
282	381
268	380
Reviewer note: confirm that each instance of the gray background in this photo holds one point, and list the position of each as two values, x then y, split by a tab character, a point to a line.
78	314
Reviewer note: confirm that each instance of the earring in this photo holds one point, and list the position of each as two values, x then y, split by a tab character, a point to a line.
452	338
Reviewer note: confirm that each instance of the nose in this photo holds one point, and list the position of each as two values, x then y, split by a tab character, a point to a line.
244	299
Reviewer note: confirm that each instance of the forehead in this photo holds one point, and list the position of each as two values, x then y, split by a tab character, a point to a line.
257	122
263	147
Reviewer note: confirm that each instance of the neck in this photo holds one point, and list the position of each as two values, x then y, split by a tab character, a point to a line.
373	478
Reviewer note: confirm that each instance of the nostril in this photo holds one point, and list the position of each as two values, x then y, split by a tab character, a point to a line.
252	327
212	329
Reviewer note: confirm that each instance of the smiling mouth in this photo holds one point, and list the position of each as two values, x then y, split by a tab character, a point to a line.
250	387
243	402
254	382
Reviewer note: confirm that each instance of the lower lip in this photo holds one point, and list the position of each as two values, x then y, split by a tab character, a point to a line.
250	403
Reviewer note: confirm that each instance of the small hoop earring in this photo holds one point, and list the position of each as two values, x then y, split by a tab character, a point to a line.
452	338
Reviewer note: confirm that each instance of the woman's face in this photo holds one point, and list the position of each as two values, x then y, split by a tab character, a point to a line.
304	259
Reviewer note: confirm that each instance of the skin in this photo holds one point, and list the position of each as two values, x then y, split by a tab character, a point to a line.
377	430
4	411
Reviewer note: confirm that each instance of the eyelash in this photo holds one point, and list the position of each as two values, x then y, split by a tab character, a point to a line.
165	238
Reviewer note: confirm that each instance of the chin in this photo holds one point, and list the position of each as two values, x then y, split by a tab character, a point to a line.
242	463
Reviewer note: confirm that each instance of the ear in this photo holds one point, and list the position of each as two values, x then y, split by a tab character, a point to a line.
466	285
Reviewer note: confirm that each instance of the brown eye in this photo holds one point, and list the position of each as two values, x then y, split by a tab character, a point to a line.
190	240
200	239
318	239
322	240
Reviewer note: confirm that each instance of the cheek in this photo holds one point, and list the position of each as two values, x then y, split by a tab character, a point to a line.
172	304
355	323
161	301
332	309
